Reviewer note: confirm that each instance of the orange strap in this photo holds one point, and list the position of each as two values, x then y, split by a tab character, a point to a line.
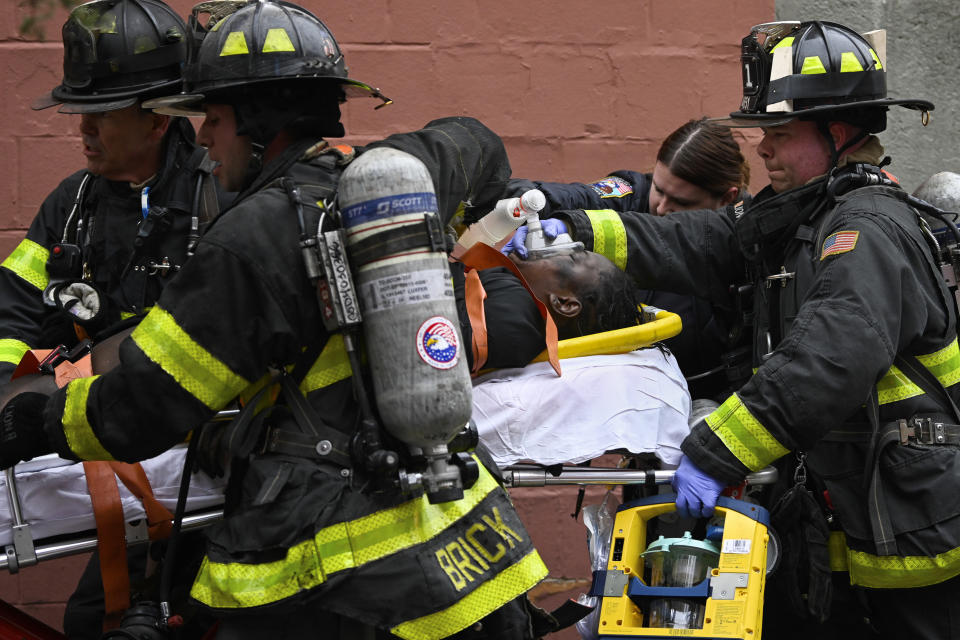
134	478
111	540
105	497
475	295
481	256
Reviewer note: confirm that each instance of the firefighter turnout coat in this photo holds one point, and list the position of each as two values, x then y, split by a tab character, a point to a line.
841	289
299	532
108	217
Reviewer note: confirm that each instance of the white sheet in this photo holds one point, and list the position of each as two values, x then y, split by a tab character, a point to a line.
636	401
54	498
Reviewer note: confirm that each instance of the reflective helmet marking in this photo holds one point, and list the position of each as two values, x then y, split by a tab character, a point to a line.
234	44
849	62
277	40
812	64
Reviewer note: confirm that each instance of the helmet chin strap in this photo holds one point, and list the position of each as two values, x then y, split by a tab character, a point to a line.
254	164
824	127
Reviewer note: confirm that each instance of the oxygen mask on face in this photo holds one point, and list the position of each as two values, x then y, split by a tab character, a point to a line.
541	245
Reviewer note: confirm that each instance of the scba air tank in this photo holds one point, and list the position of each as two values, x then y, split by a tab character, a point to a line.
410	327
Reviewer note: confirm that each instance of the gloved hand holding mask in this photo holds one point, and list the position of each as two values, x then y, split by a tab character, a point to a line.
551	229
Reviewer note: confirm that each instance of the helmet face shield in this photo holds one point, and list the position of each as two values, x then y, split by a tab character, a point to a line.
116	52
80	35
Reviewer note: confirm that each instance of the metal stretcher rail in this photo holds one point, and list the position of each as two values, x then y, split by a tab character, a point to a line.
24	552
531	475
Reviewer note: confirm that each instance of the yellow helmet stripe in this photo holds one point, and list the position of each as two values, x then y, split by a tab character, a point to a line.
277	40
234	44
786	42
849	62
811	65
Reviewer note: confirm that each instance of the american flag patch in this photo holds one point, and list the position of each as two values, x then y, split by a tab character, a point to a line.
840	242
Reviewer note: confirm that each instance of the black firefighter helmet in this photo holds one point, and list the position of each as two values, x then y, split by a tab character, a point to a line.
116	53
256	47
813	70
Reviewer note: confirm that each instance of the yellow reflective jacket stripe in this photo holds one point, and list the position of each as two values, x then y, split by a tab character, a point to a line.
332	366
609	236
743	434
944	364
335	548
80	437
895	386
196	370
29	261
892	572
484	600
12	350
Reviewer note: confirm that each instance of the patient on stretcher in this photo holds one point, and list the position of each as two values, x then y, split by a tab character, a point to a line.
636	402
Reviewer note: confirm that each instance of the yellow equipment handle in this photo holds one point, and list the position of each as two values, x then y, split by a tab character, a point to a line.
666	325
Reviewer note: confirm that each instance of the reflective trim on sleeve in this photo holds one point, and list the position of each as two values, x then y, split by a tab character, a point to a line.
609	236
342	546
29	261
196	370
12	350
944	364
332	366
76	428
743	434
895	386
483	600
891	572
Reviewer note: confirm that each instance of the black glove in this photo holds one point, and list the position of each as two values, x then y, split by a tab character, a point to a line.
21	429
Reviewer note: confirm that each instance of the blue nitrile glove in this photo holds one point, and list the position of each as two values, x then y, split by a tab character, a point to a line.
551	229
697	492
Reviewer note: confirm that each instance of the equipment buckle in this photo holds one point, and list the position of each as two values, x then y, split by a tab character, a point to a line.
923	431
61	354
783	276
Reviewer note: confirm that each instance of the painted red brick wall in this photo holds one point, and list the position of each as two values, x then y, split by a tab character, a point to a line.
574	91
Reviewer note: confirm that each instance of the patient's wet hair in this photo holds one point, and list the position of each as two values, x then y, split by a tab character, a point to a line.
612	302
